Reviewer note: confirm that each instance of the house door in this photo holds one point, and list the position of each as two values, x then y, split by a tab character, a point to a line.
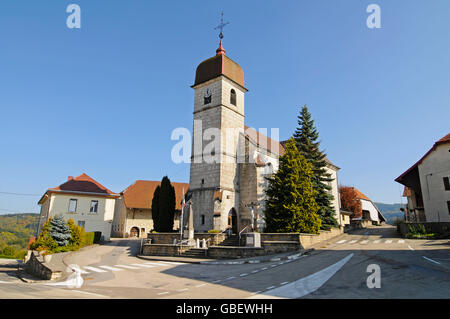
232	220
134	232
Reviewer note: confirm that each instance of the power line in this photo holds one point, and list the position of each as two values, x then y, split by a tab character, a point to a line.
19	194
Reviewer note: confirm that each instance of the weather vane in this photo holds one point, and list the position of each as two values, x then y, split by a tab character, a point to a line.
220	26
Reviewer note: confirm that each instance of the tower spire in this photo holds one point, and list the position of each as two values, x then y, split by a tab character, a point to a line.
221	50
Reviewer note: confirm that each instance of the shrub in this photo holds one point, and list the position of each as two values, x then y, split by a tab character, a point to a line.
9	251
77	235
214	231
60	231
88	239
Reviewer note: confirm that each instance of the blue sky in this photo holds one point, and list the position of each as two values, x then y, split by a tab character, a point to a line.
104	99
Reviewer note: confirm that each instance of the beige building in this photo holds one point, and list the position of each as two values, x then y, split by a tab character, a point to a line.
226	191
87	202
427	185
133	210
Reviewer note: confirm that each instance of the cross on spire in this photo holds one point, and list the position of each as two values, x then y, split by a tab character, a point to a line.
220	26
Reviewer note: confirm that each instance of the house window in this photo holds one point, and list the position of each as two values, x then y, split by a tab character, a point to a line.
233	97
203	219
72	206
94	206
81	223
447	183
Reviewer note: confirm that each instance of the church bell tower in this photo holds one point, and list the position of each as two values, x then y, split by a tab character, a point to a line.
218	121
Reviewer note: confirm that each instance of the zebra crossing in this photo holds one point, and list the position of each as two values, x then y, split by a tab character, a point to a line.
120	267
367	241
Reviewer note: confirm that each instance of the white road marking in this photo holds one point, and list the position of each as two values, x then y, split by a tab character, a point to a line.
256	292
126	267
90	293
143	265
275	259
307	285
163	293
388	241
198	286
265	268
410	247
255	271
5	282
352	241
273	265
271	287
433	261
364	242
242	275
401	241
94	269
173	263
376	241
230	278
111	268
215	282
341	241
284	283
184	289
156	264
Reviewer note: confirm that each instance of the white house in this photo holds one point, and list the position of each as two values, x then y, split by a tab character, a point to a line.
369	210
427	185
87	202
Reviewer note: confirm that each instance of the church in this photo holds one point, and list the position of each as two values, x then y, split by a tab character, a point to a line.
227	183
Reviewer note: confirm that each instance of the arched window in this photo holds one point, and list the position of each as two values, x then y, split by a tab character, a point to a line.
233	97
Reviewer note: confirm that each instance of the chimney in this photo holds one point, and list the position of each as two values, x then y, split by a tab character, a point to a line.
69	178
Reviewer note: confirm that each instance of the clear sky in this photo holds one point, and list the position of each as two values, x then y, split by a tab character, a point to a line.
105	98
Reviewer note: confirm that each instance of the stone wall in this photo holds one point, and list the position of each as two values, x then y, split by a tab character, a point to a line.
437	228
307	240
36	267
234	252
167	238
164	250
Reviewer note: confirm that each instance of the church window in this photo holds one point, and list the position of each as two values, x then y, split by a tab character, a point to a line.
233	97
203	181
447	183
203	219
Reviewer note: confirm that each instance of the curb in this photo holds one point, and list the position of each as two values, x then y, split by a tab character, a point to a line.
257	261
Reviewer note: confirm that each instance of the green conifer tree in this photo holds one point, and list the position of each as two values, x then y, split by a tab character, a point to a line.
155	209
167	205
291	205
60	231
306	137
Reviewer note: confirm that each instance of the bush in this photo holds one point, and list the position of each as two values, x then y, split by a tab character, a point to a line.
77	232
9	251
419	232
88	239
214	231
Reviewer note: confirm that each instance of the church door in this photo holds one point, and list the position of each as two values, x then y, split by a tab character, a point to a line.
232	220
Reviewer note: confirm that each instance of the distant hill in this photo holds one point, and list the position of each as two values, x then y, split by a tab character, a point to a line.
391	211
16	229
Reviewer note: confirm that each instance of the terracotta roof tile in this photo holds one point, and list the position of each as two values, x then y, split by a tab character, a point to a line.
360	194
140	194
271	145
83	183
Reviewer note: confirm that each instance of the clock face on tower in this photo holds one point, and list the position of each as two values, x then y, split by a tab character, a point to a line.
207	96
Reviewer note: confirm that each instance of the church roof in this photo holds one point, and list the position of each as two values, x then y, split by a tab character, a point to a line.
219	65
271	145
140	194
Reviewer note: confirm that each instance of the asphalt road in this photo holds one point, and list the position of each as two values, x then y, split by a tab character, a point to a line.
335	269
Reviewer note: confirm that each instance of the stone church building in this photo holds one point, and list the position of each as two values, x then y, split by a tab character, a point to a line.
224	190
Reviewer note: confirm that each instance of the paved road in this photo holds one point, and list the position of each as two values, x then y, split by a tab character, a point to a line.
336	269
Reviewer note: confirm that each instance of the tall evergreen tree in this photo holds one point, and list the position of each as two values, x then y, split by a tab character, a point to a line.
306	137
155	209
165	203
60	231
291	205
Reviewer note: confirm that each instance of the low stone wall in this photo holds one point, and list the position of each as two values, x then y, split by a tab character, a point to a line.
279	237
275	247
224	252
36	267
308	240
168	238
441	228
164	249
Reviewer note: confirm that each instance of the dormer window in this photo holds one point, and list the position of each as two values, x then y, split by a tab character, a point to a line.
233	97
